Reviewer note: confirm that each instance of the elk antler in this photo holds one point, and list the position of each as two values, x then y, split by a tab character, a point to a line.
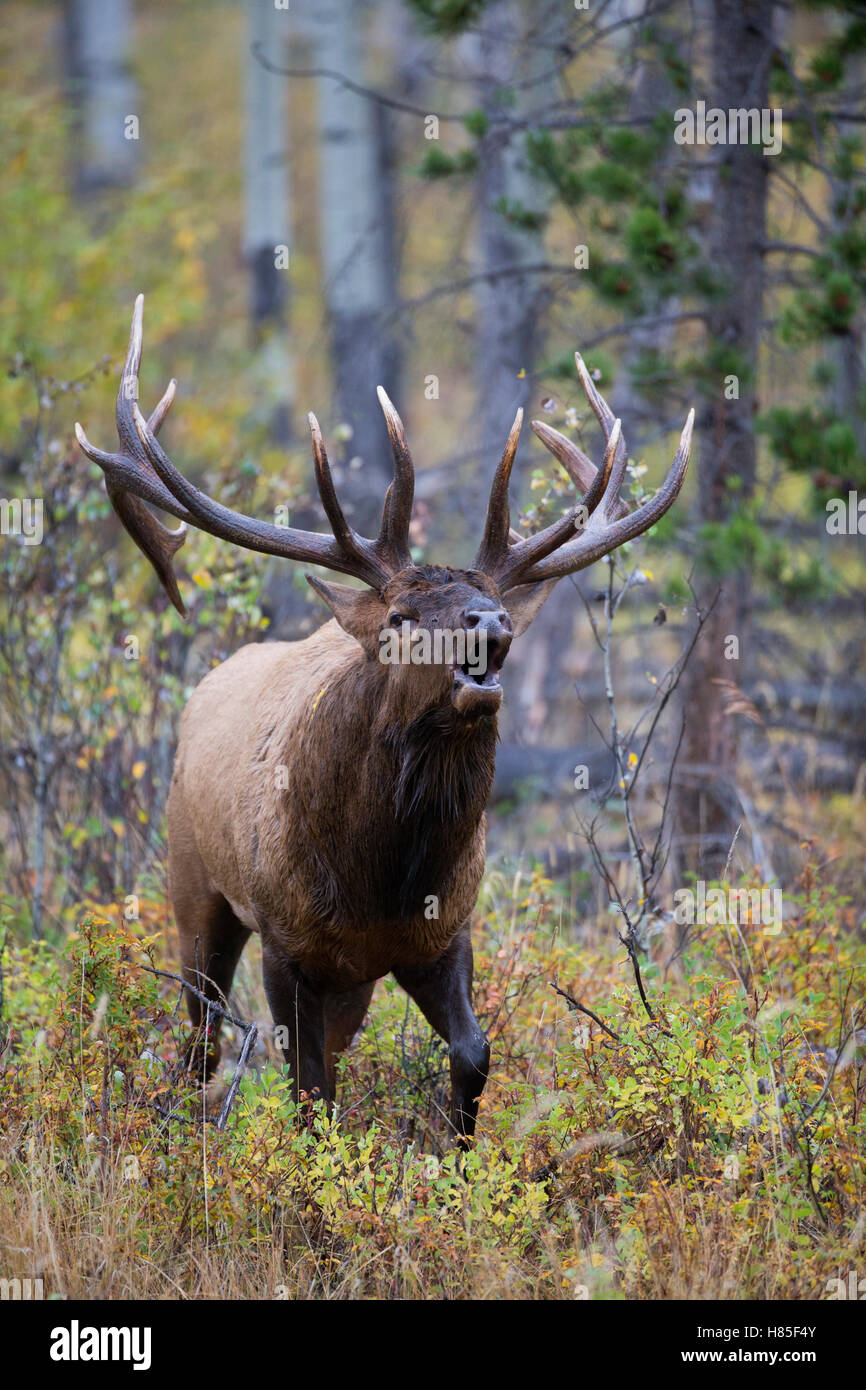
587	532
142	472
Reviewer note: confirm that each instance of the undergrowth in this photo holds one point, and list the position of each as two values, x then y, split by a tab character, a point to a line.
717	1151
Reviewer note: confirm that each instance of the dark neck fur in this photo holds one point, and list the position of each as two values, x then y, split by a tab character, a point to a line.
405	800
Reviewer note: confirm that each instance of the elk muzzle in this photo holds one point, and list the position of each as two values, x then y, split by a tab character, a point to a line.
477	688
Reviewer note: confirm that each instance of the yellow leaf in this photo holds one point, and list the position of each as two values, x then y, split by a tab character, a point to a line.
109	692
138	770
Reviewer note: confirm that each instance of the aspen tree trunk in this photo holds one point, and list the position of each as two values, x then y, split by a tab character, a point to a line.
359	247
97	38
355	245
267	214
513	57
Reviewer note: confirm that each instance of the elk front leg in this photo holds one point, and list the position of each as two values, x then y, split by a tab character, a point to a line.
344	1014
298	1009
443	993
211	942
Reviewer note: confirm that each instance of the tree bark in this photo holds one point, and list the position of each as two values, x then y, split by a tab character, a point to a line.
848	353
511	67
654	94
741	50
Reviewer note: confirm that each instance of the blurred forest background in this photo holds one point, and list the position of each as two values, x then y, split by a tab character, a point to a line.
448	197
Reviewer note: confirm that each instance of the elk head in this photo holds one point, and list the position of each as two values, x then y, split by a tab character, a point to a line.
407	611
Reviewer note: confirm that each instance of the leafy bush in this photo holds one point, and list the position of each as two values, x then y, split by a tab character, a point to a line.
717	1151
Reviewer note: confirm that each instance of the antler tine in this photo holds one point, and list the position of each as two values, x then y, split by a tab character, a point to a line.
529	550
385	524
592	481
141	472
161	409
393	539
603	534
497	525
131	465
609	502
598	404
343	533
504	554
533	549
157	542
127	392
284	541
605	417
579	468
603	522
365	552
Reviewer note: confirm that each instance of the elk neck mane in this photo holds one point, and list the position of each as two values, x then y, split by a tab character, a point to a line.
418	781
444	766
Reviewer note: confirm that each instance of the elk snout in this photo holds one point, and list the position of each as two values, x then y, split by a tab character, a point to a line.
498	632
476	688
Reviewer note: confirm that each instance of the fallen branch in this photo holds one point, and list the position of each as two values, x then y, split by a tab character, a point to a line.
249	1044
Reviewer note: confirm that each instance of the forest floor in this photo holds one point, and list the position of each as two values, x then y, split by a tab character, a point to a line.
715	1151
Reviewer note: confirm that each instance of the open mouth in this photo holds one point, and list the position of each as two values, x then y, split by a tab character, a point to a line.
479	691
468	675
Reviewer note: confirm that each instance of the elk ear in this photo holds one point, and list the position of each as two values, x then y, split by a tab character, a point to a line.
359	612
524	601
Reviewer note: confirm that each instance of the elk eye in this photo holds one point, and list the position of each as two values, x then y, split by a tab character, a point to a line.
398	619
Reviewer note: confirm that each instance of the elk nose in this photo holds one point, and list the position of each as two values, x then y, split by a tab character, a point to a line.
498	632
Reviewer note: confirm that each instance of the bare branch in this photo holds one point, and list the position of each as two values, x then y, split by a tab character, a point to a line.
581	1008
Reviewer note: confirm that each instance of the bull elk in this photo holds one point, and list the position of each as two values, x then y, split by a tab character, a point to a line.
332	801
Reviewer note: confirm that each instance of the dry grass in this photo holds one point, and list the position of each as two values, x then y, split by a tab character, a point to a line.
602	1170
